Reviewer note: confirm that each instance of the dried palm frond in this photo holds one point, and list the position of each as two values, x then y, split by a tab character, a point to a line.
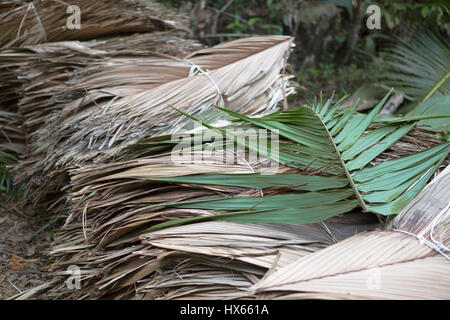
28	23
10	83
120	262
49	71
247	251
403	262
116	101
114	206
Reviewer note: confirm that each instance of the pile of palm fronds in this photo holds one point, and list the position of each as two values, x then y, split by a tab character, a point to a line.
59	73
141	223
119	230
28	23
107	99
51	70
32	72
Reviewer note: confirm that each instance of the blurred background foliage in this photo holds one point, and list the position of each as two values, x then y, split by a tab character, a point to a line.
335	51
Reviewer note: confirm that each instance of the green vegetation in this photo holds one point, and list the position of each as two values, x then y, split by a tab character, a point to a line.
335	51
344	80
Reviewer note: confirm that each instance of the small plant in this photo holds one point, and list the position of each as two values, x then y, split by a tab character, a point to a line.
6	176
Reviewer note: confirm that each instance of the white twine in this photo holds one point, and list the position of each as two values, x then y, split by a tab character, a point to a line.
195	69
439	244
31	6
39	21
329	232
433	244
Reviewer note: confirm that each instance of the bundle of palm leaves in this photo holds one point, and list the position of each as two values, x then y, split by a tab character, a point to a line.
149	227
107	99
53	69
28	23
34	78
30	70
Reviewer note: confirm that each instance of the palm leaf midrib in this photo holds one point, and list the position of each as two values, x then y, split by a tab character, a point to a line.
343	164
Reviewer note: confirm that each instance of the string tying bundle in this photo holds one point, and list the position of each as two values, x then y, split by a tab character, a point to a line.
196	69
432	243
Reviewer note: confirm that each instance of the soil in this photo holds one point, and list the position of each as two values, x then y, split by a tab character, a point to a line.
23	251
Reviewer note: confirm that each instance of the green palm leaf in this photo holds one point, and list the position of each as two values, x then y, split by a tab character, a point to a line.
342	145
434	105
419	66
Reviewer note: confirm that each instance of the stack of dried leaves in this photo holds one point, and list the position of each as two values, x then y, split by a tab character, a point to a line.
28	23
107	99
53	69
25	67
113	205
102	110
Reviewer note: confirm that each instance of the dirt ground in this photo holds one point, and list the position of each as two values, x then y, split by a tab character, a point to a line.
23	260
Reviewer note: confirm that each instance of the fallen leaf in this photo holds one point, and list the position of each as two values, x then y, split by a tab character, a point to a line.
15	263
